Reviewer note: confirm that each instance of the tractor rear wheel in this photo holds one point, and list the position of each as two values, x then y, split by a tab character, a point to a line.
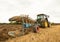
49	25
45	24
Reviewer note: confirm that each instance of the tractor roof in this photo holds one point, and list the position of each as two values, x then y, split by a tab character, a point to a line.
42	15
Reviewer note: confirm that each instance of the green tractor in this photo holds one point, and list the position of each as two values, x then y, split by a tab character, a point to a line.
42	20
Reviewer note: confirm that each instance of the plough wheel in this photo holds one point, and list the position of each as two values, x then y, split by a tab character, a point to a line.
36	29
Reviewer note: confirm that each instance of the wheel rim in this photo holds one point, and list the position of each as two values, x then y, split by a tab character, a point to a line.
37	29
46	25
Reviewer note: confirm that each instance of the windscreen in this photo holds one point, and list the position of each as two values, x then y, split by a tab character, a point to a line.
39	17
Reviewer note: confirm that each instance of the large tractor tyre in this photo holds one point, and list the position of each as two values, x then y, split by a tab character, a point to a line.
49	24
36	29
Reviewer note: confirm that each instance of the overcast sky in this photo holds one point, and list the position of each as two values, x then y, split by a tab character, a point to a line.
9	8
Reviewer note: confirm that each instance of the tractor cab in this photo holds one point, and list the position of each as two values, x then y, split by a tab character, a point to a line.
42	19
42	16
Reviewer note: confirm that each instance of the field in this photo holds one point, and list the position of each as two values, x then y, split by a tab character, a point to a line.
5	28
51	34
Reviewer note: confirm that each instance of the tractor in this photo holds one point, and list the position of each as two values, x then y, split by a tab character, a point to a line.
42	20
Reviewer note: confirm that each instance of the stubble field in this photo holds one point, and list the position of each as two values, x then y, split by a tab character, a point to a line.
51	34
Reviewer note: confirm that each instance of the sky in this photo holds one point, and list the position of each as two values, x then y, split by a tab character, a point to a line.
10	8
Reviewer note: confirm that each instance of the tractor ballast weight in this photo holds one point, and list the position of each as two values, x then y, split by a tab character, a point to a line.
42	19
